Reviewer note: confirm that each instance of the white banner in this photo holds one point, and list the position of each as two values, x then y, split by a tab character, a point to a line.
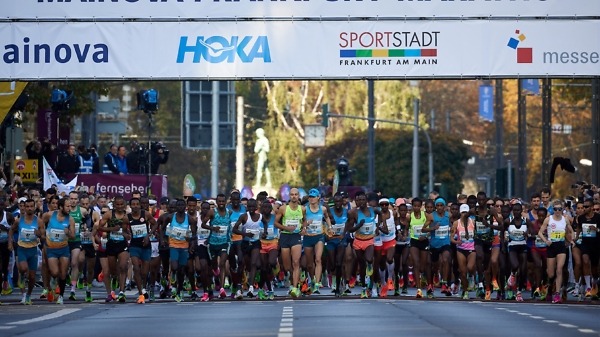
328	50
236	9
51	179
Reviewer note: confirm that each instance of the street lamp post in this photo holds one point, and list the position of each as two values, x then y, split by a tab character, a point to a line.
415	151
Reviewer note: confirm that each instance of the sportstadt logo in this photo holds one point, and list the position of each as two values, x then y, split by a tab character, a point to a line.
524	55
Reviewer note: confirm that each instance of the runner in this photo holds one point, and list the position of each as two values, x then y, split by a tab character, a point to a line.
462	236
314	238
518	230
236	256
60	227
29	230
388	247
556	232
99	241
538	252
116	224
143	226
5	224
485	217
361	221
440	244
402	249
336	242
268	250
419	244
77	258
181	229
289	220
219	241
588	232
249	226
90	218
576	251
201	256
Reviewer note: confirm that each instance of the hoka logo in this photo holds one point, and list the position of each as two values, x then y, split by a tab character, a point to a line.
217	49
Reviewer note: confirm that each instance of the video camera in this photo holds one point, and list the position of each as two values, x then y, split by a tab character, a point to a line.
147	100
61	99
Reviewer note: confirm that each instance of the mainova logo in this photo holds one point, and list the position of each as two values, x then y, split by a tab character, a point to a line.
524	55
218	49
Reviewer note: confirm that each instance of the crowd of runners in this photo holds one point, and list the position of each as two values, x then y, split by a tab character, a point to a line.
368	246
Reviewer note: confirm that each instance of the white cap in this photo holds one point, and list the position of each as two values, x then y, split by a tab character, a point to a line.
464	208
22	199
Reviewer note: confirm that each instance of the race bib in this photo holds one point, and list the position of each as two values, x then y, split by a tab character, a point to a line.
179	233
3	236
338	229
517	235
57	235
481	228
391	227
117	236
86	238
316	227
293	222
222	231
587	231
27	235
442	232
557	236
77	230
103	242
254	232
540	243
463	236
203	233
377	241
139	231
418	230
270	233
367	229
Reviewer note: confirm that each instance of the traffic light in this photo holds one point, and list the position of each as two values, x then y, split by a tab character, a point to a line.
325	115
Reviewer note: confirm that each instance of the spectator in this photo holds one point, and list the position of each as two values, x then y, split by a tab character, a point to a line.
121	160
93	150
68	163
86	161
34	151
110	161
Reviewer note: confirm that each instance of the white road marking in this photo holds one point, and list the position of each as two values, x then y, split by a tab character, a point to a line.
550	321
286	328
57	314
524	314
587	331
568	325
536	317
6	327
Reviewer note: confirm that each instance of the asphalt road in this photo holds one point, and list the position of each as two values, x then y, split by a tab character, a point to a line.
310	316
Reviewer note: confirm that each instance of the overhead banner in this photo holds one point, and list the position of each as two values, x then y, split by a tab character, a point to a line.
113	184
290	50
322	9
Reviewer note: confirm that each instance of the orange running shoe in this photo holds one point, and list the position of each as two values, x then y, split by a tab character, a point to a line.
384	290
50	296
390	284
141	299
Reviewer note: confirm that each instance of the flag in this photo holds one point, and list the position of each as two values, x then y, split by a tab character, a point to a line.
531	85
50	179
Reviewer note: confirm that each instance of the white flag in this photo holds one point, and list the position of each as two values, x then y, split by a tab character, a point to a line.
50	178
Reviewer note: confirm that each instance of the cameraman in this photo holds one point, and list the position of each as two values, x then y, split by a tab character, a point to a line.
135	159
160	155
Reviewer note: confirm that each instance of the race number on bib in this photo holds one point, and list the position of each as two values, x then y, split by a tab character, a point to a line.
139	231
179	233
86	238
587	231
57	235
27	235
367	228
338	229
557	236
442	232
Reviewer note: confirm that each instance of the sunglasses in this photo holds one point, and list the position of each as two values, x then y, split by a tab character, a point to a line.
588	206
384	204
558	209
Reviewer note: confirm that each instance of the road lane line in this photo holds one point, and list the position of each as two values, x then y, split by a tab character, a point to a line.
550	321
536	317
286	326
6	327
587	331
565	325
57	314
524	314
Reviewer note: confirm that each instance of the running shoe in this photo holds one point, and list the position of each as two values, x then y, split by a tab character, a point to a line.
404	290
510	295
294	292
316	288
261	294
488	295
108	299
588	293
436	280
178	297
194	296
556	298
495	285
251	293
222	293
401	282
304	288
512	280
6	288
419	293
369	269
271	295
411	279
396	292
151	296
445	290
519	297
141	299
575	291
23	298
205	298
80	284
88	297
187	286
352	282
384	289
51	296
27	300
480	293
535	293
390	284
363	293
239	295
59	300
374	293
430	291
44	294
72	296
347	290
121	298
454	289
465	295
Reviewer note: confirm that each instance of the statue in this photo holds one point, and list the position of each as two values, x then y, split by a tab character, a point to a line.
261	148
